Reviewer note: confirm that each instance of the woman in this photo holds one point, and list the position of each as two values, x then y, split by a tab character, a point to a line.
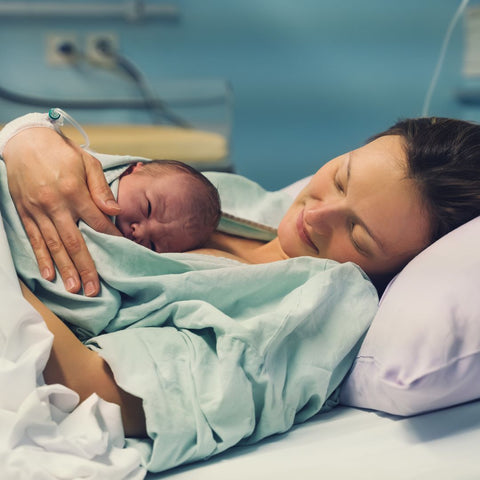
377	206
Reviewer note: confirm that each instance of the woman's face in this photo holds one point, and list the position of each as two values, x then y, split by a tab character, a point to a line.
359	207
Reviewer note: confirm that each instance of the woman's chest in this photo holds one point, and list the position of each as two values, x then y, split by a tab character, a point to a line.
229	246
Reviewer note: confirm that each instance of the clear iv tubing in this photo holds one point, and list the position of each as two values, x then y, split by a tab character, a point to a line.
55	113
441	58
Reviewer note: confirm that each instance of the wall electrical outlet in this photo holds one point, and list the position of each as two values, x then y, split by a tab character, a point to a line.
62	49
100	49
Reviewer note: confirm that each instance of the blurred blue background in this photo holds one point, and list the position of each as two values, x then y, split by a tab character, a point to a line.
310	78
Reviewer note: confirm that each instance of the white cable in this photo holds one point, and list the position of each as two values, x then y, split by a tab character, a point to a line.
441	58
56	113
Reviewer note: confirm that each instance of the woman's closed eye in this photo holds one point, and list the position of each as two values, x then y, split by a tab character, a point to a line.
358	246
149	208
338	185
342	176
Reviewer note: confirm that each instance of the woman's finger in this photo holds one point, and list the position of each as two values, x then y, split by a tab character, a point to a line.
93	217
59	255
79	204
56	239
71	240
48	248
84	204
69	253
99	189
44	259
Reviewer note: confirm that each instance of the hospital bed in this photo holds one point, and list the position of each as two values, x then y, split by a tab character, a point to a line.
349	443
433	428
409	408
203	149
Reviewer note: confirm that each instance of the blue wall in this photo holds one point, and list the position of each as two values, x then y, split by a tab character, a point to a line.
311	78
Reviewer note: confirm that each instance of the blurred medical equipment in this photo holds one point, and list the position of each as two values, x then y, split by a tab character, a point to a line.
183	120
132	10
160	111
111	104
206	150
441	58
203	142
157	107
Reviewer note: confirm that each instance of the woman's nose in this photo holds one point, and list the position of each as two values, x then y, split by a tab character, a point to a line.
323	217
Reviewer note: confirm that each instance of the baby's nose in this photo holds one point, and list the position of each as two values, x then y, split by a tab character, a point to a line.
138	231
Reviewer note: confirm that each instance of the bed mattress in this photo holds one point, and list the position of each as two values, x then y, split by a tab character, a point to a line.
349	443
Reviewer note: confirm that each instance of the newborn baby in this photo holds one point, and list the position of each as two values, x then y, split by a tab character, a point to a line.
167	206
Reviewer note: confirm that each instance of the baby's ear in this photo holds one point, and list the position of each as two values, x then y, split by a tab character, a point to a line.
132	168
136	167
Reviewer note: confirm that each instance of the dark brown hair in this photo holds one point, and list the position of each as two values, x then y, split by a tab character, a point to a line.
443	158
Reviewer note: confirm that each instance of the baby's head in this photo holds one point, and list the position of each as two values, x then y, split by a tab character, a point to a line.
167	206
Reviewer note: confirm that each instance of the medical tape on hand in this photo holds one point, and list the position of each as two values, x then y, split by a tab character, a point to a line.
31	120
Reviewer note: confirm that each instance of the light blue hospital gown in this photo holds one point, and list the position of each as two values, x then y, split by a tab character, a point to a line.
221	352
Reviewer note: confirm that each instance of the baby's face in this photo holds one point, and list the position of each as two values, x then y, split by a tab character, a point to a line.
156	211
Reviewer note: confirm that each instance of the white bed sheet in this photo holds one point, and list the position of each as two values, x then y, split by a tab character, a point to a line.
42	434
353	444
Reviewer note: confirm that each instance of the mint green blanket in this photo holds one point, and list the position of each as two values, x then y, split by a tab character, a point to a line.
220	352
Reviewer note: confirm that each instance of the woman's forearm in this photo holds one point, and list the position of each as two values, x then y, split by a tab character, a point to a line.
74	365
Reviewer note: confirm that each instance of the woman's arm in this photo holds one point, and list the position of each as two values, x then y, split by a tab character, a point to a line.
53	184
74	365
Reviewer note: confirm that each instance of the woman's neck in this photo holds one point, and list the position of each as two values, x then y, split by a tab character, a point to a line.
243	249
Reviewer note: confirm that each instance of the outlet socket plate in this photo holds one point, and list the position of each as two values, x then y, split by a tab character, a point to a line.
54	56
94	55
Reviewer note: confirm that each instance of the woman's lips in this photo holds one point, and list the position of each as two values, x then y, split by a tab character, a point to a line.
303	234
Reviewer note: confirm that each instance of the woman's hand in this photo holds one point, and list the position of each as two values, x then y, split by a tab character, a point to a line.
53	184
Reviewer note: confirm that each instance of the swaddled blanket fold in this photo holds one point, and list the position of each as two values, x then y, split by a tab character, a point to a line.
220	352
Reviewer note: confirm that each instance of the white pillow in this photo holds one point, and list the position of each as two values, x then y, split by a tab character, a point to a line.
422	351
295	188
